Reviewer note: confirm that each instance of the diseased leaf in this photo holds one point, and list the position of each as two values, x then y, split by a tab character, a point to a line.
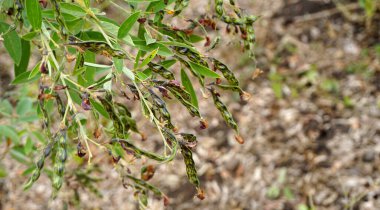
149	58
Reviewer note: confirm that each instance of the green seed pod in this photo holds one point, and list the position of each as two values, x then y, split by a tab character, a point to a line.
179	6
227	116
230	87
227	73
32	179
39	166
138	152
117	123
145	185
190	165
59	160
165	73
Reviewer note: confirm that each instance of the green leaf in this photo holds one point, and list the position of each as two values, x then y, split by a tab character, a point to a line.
24	78
72	9
168	63
33	12
97	65
6	107
127	25
24	106
35	70
98	107
29	36
202	70
186	82
18	154
28	148
128	73
148	38
9	132
12	42
25	55
3	172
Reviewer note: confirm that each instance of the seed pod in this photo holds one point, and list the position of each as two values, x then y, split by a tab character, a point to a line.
39	166
126	145
190	165
200	194
85	101
189	140
117	123
227	73
166	200
145	185
59	161
60	106
81	151
204	124
147	172
98	47
165	73
133	89
239	139
227	116
43	68
174	86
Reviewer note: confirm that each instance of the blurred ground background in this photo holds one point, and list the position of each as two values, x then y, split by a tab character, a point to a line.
311	129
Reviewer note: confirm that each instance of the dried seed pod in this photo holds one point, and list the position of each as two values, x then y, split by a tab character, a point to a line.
166	200
208	42
43	68
141	20
244	96
200	194
147	172
81	150
97	133
85	101
204	124
239	139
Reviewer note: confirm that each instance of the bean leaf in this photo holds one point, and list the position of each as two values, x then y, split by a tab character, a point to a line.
12	42
186	82
127	25
33	12
202	70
